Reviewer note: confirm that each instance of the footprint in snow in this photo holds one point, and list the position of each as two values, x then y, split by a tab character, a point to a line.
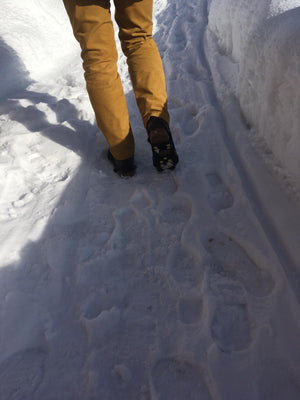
127	223
175	211
231	261
219	196
233	273
177	379
179	40
189	121
194	73
103	327
92	306
231	327
186	268
230	316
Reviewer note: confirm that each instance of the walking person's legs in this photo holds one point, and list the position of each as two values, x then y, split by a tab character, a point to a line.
93	28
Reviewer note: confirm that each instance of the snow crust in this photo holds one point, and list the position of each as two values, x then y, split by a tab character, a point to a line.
262	37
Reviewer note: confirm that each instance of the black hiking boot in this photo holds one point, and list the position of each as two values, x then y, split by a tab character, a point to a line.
164	155
124	168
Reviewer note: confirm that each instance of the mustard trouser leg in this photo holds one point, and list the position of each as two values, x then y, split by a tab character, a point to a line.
134	18
93	28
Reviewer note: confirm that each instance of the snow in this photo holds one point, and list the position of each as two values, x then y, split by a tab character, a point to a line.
181	285
262	39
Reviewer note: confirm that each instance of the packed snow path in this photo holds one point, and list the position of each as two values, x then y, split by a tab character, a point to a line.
163	286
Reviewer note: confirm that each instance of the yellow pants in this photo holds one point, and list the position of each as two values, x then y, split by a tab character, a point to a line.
93	28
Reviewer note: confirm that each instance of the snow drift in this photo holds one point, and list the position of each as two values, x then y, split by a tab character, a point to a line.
263	39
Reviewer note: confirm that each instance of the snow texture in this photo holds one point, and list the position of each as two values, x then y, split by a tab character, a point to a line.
180	285
262	37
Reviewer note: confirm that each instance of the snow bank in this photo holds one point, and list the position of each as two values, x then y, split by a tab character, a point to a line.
13	74
263	39
23	36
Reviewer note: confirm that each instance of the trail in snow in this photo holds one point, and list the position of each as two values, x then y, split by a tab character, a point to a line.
164	286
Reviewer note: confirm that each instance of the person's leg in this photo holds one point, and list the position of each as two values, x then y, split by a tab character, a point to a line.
93	28
134	19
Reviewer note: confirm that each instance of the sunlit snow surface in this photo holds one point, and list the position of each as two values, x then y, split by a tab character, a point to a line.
262	37
181	285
